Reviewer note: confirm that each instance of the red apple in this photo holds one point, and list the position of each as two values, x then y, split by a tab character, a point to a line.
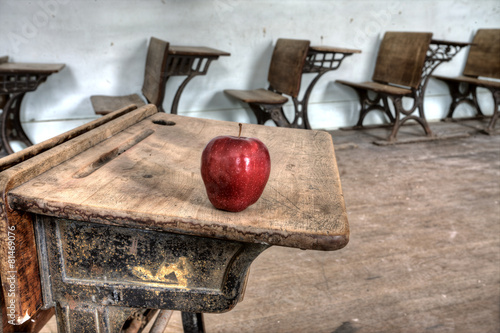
235	171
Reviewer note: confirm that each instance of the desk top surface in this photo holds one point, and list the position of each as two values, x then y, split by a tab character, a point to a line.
20	67
332	49
148	176
448	42
195	51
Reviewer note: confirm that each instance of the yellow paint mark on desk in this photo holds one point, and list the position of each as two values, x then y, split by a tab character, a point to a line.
176	273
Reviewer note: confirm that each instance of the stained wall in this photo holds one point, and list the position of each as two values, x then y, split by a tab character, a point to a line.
104	42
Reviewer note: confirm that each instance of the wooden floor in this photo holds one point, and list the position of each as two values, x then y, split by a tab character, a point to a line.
424	252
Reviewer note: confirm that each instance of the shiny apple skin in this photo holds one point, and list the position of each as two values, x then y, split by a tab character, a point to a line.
235	171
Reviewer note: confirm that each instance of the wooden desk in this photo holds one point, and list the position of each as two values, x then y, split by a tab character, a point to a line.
189	61
320	60
123	221
16	79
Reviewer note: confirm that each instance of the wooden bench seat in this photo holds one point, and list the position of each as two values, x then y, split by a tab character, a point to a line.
261	96
105	104
481	69
398	73
153	87
483	83
379	88
284	76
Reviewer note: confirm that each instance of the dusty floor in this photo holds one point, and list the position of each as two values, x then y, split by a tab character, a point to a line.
424	253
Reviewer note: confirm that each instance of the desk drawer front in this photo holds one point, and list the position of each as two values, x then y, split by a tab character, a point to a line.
109	254
118	266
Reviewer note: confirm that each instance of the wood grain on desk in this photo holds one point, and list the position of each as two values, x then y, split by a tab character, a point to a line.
148	176
21	167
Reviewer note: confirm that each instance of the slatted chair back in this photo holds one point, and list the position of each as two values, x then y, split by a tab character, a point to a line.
153	87
285	71
484	54
401	57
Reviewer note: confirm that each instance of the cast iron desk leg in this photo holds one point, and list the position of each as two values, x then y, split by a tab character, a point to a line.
319	60
186	65
11	128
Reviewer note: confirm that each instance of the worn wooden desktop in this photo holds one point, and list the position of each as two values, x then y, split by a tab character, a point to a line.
16	79
122	220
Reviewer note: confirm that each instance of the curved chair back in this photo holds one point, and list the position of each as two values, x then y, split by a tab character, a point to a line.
287	62
401	58
484	54
153	87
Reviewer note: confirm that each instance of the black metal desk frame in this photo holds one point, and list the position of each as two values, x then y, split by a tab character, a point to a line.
319	61
189	62
15	81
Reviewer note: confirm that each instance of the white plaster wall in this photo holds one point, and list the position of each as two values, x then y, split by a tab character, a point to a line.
103	44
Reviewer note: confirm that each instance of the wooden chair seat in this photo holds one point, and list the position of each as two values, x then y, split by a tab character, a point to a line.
480	82
284	76
482	64
261	96
106	104
378	87
153	87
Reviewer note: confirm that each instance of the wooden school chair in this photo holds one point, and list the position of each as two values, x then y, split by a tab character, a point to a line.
481	68
153	87
398	74
284	76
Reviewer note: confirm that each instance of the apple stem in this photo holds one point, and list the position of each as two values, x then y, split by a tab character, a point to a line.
241	125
